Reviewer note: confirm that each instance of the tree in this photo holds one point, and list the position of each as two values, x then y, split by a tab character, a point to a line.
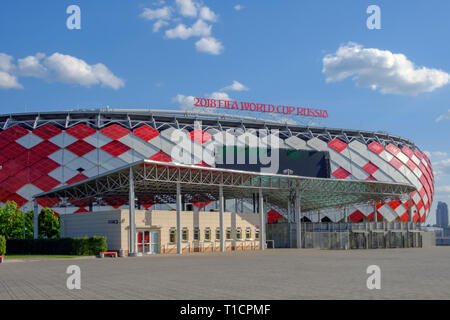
11	221
29	225
48	224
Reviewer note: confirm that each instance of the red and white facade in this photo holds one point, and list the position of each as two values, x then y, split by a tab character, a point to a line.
39	152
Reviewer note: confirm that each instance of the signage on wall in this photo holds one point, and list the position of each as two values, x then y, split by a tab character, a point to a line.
261	107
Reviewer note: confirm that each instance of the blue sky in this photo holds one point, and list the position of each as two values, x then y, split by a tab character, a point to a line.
275	49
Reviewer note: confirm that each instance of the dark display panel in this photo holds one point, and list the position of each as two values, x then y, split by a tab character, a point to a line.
304	163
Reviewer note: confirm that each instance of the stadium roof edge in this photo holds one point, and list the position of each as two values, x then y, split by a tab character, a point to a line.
176	114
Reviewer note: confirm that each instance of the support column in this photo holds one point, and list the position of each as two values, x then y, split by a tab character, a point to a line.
221	207
410	209
298	213
35	220
346	214
262	222
131	203
375	215
179	249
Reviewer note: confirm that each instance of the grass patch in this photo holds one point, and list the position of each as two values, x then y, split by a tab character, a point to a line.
24	256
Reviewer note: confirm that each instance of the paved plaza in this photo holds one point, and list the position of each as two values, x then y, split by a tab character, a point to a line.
272	274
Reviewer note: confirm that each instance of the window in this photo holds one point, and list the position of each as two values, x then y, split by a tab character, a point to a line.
207	234
239	234
248	233
172	235
229	235
217	233
185	234
196	234
257	233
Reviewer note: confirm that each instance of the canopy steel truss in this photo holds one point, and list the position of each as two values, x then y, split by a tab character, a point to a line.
156	179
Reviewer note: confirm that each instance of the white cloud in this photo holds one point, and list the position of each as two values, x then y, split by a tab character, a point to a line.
235	86
198	29
187	8
185	102
207	14
57	67
163	13
217	95
445	116
379	69
209	45
31	66
435	154
238	7
444	190
159	24
6	64
8	81
442	167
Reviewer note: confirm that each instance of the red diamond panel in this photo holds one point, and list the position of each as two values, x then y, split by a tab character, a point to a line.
115	148
203	164
29	175
12	167
370	168
407	151
146	133
375	147
116	202
13	150
14	133
418	154
48	202
337	145
12	184
405	216
45	148
3	195
47	131
29	158
394	204
411	165
4	142
80	148
356	216
115	131
46	183
3	159
199	136
371	178
396	163
273	216
77	178
392	149
45	166
161	156
81	131
81	210
341	173
379	216
17	199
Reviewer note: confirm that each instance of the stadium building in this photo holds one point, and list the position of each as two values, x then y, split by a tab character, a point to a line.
48	151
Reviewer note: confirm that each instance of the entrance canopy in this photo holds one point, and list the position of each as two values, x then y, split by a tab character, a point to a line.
156	181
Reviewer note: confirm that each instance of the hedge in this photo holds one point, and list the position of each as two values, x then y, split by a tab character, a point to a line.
64	246
2	246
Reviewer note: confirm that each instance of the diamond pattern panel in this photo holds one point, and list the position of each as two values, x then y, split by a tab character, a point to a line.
115	131
146	133
80	148
81	131
47	131
115	148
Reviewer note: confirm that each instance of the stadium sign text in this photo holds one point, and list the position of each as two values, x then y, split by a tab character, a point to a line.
260	107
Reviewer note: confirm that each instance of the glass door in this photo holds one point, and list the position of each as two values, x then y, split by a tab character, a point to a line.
143	241
154	241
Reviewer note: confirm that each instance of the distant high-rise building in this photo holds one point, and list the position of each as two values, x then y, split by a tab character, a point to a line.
442	214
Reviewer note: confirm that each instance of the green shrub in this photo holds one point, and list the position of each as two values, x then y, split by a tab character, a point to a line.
70	246
2	246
